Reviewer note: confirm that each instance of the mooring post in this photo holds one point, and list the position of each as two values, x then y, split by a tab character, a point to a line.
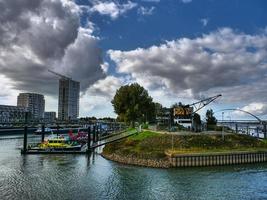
25	139
57	130
97	133
89	139
100	131
43	133
24	150
94	140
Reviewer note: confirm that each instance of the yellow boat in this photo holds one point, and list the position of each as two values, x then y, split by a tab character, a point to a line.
57	143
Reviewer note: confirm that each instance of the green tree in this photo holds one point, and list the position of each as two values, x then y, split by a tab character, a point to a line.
196	122
132	103
210	119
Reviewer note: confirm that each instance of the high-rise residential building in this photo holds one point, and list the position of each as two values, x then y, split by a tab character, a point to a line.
34	103
68	100
50	116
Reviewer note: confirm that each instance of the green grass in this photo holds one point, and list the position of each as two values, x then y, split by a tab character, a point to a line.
148	144
143	135
130	129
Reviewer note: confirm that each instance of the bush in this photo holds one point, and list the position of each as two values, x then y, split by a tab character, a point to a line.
145	126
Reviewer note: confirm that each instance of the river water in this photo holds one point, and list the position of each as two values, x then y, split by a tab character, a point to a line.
93	177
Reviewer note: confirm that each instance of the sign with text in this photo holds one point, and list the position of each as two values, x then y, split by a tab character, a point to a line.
182	111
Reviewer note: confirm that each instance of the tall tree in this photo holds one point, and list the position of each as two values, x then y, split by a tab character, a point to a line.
210	119
132	103
196	122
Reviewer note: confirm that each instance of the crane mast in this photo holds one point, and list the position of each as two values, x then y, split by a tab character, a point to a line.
202	103
185	110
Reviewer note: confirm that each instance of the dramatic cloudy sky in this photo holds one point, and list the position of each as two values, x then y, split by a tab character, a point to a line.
179	50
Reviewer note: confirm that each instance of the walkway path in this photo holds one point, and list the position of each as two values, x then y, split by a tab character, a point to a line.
114	138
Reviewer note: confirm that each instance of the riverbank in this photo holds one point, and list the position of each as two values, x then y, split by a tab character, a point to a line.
154	149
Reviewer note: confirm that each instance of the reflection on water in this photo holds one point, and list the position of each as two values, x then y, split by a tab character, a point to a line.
92	177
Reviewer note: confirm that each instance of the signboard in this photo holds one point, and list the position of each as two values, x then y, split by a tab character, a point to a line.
182	111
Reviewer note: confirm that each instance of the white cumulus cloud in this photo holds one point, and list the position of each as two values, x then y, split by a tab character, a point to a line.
256	108
112	8
223	61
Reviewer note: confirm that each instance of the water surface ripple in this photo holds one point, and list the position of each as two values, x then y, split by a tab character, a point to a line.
93	177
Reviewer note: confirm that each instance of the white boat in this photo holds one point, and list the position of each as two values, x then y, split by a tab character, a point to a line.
47	130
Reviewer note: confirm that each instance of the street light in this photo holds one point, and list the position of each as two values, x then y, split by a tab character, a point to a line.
222	126
230	121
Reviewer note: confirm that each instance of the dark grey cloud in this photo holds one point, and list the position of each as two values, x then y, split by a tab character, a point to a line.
51	31
82	60
43	34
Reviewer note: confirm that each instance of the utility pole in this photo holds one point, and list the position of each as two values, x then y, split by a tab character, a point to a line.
230	122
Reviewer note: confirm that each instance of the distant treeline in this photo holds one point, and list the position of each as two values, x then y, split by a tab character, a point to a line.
93	118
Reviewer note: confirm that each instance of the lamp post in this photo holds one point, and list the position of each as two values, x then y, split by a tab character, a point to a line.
222	126
230	122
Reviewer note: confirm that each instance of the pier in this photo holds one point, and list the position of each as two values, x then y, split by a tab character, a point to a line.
94	140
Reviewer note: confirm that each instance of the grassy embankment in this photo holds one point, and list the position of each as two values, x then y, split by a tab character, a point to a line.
152	145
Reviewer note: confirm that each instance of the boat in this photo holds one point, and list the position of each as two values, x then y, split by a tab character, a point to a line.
47	130
80	137
54	143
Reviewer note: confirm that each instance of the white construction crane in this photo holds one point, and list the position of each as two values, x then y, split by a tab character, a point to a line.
60	75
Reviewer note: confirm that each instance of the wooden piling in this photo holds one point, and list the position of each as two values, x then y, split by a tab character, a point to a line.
43	133
25	139
94	139
57	130
100	131
97	133
89	139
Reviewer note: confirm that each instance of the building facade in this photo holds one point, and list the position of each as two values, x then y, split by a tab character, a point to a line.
68	100
35	104
12	114
183	116
50	116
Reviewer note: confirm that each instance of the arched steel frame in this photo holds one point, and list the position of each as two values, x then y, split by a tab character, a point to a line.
236	109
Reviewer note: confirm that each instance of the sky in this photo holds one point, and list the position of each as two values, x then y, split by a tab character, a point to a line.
179	50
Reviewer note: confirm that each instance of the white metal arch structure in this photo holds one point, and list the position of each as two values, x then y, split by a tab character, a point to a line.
236	109
261	121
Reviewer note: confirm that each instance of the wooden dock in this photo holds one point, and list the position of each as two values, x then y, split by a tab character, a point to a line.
85	149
